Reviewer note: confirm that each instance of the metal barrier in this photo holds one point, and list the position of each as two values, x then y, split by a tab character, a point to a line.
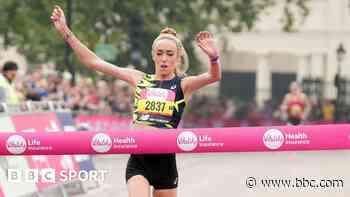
34	106
37	115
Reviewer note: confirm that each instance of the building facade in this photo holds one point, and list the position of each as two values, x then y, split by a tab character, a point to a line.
272	58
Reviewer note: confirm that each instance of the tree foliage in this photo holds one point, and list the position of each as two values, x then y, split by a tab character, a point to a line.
130	26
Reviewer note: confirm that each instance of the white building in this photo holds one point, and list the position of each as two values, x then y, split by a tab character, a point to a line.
310	52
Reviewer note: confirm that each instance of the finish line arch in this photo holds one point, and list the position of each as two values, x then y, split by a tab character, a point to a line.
191	140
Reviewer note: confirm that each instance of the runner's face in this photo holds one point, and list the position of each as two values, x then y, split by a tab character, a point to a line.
165	56
294	88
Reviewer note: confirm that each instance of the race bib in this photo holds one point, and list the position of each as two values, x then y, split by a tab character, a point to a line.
156	101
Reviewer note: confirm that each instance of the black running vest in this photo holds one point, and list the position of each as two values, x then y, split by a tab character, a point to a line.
158	103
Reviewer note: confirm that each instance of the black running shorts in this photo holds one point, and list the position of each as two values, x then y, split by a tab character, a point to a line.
159	169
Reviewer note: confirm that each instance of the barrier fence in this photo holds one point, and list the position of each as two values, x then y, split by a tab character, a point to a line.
34	118
47	136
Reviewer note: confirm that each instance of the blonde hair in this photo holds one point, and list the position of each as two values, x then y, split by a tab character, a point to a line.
170	33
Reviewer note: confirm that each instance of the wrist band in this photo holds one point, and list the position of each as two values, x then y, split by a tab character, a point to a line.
214	60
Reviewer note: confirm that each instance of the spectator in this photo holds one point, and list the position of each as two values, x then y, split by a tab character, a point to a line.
328	110
295	104
36	86
8	92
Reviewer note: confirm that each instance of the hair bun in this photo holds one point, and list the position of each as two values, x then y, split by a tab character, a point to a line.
169	30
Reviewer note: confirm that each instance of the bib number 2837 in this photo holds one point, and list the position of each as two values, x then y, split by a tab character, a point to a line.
156	100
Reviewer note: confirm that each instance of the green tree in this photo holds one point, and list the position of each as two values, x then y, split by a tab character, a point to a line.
129	26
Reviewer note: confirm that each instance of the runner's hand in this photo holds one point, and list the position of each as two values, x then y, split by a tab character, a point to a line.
59	20
205	41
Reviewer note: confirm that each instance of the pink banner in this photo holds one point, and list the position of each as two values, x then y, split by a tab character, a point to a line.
240	139
38	124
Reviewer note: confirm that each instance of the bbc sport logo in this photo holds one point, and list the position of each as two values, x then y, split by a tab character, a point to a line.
16	144
50	175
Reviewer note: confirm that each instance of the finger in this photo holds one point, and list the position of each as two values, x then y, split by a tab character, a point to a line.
211	35
200	40
55	13
56	10
55	16
201	46
57	7
201	36
198	37
203	33
204	46
207	35
61	11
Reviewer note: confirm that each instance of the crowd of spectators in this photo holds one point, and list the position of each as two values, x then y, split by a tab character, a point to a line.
86	96
106	96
